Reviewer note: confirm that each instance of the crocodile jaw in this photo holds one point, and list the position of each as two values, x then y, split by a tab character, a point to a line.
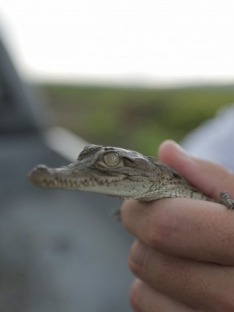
84	179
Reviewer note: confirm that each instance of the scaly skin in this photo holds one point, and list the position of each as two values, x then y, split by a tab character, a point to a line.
119	172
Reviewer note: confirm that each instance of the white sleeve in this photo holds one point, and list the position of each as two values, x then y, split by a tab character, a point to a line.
214	139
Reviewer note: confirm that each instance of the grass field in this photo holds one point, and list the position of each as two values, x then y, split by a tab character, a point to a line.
134	118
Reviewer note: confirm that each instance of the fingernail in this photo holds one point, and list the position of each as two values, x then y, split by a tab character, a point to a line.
182	153
179	149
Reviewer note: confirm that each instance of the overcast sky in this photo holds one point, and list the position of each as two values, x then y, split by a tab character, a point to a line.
139	41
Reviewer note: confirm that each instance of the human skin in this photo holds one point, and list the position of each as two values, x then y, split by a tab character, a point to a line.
183	255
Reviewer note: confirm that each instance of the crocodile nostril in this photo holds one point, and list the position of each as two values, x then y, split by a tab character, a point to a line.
40	168
36	173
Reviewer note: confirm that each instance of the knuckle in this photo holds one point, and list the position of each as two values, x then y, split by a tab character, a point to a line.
128	210
136	260
135	295
160	229
134	266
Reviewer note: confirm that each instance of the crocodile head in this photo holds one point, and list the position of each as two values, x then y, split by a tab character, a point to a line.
109	170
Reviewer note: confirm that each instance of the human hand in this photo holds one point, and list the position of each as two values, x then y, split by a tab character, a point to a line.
183	256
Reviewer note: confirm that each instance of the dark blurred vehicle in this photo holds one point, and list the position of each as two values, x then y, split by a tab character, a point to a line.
60	250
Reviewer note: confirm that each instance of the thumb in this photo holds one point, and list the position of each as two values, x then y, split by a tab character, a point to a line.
210	177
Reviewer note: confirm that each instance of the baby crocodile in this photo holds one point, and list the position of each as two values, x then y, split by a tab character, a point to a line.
122	173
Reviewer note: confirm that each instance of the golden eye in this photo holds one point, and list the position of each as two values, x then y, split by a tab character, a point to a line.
111	159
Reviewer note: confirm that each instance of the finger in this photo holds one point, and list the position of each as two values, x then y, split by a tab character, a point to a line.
208	176
145	299
204	286
198	230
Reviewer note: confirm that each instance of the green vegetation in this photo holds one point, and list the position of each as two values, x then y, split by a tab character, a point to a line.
136	118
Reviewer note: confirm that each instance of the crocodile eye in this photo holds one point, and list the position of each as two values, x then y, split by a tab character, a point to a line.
111	159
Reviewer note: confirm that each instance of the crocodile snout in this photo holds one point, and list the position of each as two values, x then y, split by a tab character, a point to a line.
37	174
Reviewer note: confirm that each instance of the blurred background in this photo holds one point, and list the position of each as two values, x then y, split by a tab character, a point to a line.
124	73
149	69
